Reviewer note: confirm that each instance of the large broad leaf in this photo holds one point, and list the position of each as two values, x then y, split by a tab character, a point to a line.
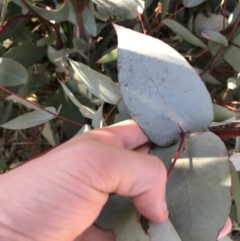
27	54
31	119
98	84
120	216
162	92
198	189
12	73
122	8
184	33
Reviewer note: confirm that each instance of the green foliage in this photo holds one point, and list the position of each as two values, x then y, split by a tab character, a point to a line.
67	70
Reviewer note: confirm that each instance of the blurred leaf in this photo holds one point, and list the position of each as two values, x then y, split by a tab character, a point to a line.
48	40
235	159
98	84
126	9
109	57
12	73
30	119
22	102
215	36
192	3
48	134
232	53
234	15
183	33
163	232
3	163
123	110
226	238
165	6
89	22
86	112
80	45
4	5
84	129
235	189
70	111
6	110
59	14
97	121
199	187
27	54
120	215
222	113
209	21
207	78
147	77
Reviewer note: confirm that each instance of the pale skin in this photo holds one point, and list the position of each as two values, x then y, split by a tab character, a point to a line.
58	196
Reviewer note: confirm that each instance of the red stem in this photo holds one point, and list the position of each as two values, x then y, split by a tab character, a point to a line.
181	144
40	107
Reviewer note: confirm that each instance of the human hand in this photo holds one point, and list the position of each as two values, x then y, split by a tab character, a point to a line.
59	195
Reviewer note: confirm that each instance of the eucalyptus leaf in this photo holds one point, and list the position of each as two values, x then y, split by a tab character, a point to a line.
27	54
97	121
148	76
163	232
84	129
165	6
192	3
59	14
125	9
235	189
98	84
89	22
232	54
222	113
109	57
86	112
30	119
199	187
12	73
184	33
120	215
215	36
209	21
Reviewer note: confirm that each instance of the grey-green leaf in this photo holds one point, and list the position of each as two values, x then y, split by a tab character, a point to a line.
86	111
12	73
215	36
184	33
27	54
98	84
192	3
160	89
30	119
109	57
222	113
163	232
199	187
125	9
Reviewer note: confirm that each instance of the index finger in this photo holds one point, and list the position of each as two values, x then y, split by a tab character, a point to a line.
126	134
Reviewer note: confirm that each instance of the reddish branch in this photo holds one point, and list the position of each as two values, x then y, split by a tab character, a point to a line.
40	107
